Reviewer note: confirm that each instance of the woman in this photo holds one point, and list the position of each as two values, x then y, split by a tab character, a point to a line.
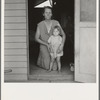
44	31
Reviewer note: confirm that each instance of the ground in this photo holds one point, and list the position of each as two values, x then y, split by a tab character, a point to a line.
38	74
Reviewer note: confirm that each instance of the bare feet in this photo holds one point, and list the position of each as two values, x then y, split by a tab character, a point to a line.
59	71
49	70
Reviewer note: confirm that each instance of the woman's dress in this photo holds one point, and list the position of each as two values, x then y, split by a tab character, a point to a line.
44	55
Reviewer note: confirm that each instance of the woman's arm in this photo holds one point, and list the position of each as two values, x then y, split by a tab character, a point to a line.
63	36
37	37
51	49
50	46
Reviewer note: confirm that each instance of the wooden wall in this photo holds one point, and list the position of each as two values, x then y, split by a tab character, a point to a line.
15	40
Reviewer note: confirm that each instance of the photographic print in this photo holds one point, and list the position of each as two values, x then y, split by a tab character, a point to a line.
50	41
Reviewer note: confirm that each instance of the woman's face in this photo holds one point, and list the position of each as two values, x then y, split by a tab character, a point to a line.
47	13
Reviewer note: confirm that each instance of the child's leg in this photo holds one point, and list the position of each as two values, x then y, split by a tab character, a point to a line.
51	63
58	63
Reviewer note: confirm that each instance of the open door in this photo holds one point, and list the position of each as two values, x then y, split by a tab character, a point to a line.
85	41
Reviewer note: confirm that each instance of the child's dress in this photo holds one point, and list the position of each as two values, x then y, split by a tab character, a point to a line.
55	42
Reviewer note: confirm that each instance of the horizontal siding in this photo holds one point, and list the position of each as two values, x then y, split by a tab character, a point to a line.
15	19
15	32
12	13
16	70
15	1
15	26
15	38
15	58
14	6
15	77
15	64
15	45
15	52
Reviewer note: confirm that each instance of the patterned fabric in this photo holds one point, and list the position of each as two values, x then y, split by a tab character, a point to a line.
55	42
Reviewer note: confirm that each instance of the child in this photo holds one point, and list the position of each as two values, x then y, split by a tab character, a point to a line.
55	40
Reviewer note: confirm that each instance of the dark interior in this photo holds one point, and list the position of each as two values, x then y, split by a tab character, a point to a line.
63	11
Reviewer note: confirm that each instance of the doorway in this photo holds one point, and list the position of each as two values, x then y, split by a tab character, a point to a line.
63	11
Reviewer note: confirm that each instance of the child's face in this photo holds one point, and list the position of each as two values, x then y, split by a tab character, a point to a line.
55	32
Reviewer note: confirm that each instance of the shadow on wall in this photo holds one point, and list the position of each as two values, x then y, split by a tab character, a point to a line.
33	48
67	23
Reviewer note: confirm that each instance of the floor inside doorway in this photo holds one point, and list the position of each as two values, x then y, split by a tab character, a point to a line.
38	74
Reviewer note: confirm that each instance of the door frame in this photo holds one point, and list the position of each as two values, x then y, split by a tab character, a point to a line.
77	59
27	39
75	21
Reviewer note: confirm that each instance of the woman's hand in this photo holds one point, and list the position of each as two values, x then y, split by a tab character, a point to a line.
48	47
60	48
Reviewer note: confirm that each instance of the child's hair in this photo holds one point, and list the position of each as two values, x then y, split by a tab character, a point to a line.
58	28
